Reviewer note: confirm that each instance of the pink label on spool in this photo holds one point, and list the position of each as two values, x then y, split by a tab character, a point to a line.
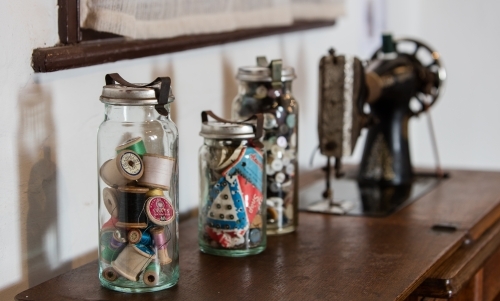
160	210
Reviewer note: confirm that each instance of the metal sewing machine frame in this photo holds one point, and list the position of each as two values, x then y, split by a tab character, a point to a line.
382	95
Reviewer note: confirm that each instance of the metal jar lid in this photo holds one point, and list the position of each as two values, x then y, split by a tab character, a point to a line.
263	74
130	96
223	130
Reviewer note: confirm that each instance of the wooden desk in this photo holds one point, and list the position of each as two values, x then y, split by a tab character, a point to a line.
337	257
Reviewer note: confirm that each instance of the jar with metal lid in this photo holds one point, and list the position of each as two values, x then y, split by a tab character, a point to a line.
267	89
232	212
137	150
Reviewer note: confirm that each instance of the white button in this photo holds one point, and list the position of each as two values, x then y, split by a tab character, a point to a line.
277	164
281	141
280	177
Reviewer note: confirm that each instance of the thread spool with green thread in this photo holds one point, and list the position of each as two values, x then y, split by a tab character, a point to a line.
134	144
151	275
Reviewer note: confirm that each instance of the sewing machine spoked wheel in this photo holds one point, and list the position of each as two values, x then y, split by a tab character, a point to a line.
432	74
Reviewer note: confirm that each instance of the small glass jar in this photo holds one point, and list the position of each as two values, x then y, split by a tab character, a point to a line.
138	191
259	92
232	212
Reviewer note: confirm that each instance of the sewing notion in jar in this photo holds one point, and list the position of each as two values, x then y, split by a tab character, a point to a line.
232	210
267	89
138	187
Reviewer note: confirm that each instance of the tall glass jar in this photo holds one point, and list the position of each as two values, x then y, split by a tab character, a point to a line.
232	210
138	190
268	90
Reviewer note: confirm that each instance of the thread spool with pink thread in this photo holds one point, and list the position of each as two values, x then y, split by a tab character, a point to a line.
160	243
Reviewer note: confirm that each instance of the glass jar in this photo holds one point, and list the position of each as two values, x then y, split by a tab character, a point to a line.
268	90
138	189
232	188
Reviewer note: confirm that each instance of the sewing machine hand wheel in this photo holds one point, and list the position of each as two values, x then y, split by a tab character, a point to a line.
430	70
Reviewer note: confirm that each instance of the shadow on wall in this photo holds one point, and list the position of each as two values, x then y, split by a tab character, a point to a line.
230	87
39	226
37	144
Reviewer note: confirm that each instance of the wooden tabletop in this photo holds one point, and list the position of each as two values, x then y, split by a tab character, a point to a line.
327	258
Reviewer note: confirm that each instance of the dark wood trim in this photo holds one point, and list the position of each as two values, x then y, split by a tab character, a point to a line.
96	52
449	278
69	21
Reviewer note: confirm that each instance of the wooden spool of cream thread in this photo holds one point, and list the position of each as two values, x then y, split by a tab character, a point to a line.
134	144
110	201
131	207
158	234
132	261
127	166
151	275
157	171
109	274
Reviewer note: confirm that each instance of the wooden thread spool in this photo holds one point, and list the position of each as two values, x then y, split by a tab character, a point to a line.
134	144
151	275
160	210
158	234
132	261
157	171
109	250
126	167
110	274
109	254
117	241
134	236
154	192
110	201
131	212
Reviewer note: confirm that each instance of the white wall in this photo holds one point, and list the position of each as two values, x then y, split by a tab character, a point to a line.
48	122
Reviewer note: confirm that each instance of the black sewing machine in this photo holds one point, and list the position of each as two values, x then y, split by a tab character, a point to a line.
402	79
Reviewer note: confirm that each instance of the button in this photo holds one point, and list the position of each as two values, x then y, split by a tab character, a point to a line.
277	151
277	164
269	170
280	177
255	235
284	129
260	92
290	169
281	142
270	121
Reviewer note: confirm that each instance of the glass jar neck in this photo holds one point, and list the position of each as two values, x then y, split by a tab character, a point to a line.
133	113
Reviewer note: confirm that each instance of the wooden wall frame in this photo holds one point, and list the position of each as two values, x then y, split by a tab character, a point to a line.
82	47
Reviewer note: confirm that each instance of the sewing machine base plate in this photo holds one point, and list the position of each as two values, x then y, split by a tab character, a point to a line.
350	198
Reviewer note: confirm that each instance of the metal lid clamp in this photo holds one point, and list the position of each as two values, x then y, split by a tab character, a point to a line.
276	66
162	93
256	127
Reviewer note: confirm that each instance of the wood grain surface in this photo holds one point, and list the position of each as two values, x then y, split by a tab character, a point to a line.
454	274
328	258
